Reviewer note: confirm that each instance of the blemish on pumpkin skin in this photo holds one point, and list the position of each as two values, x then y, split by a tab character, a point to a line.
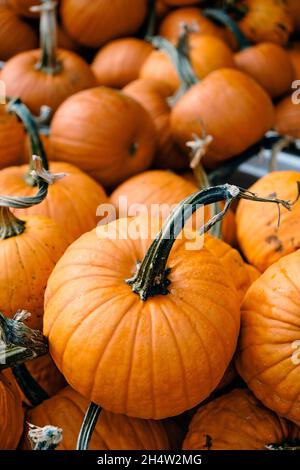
208	442
273	239
133	148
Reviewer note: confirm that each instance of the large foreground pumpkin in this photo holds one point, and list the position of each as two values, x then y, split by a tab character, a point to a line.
11	413
237	421
268	357
113	432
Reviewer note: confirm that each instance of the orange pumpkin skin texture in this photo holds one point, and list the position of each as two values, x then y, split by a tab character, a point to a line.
237	421
267	21
259	237
163	187
152	95
71	202
15	35
294	56
12	139
159	67
123	145
120	61
95	23
170	26
294	8
253	272
113	432
287	115
11	413
167	350
36	88
268	353
270	65
233	108
28	260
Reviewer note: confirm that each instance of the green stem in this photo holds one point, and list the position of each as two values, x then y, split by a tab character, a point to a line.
34	393
88	426
151	277
151	23
10	225
224	19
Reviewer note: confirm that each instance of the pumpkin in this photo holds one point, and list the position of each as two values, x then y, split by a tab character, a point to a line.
267	21
294	8
268	352
46	76
94	23
12	139
161	8
11	413
65	42
159	67
237	421
15	35
229	376
153	96
252	272
171	25
261	239
161	187
171	350
233	109
287	115
112	432
270	65
123	145
180	3
294	56
119	62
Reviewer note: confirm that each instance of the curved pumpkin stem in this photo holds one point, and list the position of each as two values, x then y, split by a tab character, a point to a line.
88	426
151	278
46	438
48	37
220	16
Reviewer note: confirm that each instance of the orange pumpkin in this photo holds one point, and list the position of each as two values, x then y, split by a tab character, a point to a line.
113	432
11	414
268	353
294	8
233	109
46	76
95	23
158	67
261	239
120	61
124	143
229	376
15	35
267	21
153	96
237	421
270	65
287	115
12	139
294	56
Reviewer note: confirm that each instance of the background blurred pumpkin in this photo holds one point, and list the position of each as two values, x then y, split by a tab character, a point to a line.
12	139
294	56
269	346
11	413
261	239
237	421
160	68
287	117
104	132
95	23
294	8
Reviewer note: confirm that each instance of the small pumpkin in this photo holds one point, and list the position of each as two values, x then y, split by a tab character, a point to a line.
287	114
237	421
12	139
158	67
46	76
11	413
260	238
233	109
95	23
268	352
119	62
123	145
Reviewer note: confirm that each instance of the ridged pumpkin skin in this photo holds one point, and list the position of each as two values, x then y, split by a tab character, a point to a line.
270	65
27	261
113	432
37	88
287	118
71	202
11	413
12	139
268	353
237	421
152	95
152	359
119	62
231	106
163	187
93	23
267	21
259	236
105	133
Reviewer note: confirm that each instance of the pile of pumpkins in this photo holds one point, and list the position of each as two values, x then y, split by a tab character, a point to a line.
212	361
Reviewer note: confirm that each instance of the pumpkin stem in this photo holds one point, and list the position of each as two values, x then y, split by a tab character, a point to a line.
277	148
46	438
289	445
88	426
151	22
151	277
16	107
18	342
48	38
224	19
